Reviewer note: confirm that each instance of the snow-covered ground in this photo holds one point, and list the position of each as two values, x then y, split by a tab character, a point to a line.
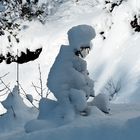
121	124
116	57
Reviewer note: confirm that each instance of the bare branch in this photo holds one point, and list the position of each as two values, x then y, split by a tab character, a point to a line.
2	89
4	93
22	89
36	89
40	79
113	88
6	86
36	100
4	75
39	89
25	94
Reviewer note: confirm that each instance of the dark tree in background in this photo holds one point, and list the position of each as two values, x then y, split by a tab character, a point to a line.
24	57
15	12
12	14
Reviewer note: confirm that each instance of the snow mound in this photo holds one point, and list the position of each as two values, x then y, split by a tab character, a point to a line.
17	112
133	123
38	125
102	101
45	107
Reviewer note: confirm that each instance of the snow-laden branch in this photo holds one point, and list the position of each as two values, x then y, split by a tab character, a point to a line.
6	86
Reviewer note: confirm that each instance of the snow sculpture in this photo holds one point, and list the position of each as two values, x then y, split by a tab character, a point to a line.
69	79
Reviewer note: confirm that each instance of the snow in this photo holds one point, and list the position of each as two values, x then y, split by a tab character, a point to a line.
78	99
80	36
29	97
45	106
2	8
119	125
116	58
102	102
17	112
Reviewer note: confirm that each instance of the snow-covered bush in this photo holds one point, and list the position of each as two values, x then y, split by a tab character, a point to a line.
14	15
14	104
112	88
102	101
17	112
111	4
69	79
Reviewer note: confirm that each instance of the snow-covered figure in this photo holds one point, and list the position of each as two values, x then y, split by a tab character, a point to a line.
69	79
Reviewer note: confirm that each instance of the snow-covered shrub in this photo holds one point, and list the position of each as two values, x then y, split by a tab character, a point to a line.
17	112
111	4
23	57
102	101
112	88
15	105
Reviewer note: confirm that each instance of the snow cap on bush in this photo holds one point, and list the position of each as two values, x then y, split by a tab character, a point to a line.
81	36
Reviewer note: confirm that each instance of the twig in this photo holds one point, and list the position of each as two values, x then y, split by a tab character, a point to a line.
41	91
22	89
2	89
2	82
112	87
48	92
4	93
25	94
4	75
40	79
36	89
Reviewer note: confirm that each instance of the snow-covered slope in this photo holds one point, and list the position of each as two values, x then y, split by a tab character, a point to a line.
115	53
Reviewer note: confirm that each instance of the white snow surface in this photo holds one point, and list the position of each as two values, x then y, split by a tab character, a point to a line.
116	57
122	123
